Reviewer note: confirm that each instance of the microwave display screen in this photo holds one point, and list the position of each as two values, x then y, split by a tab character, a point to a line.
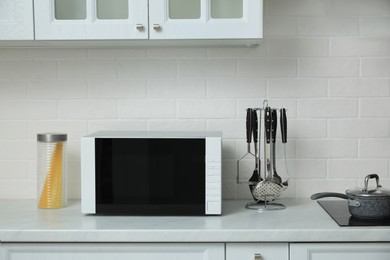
150	176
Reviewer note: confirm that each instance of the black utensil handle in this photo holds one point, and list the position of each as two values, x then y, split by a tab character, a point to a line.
249	125
255	126
267	124
320	195
274	124
283	124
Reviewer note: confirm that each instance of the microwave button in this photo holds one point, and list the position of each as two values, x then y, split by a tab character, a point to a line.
211	172
213	186
214	195
213	192
215	172
213	179
214	163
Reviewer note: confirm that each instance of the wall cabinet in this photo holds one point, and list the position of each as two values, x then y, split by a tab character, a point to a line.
206	19
16	20
90	19
339	251
148	19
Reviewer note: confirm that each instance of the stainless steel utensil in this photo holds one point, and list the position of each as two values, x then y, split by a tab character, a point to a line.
254	179
249	129
274	124
268	189
283	131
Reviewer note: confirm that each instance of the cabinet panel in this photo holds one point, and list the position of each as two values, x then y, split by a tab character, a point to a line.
16	20
227	19
340	251
256	251
125	251
90	19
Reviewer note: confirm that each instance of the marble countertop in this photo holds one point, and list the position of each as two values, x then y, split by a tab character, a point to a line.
303	220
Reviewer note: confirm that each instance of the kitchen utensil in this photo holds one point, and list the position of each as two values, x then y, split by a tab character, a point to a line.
362	202
254	179
283	131
249	114
274	124
259	146
268	189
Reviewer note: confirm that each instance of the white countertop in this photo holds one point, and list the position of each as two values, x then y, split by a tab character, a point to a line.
302	220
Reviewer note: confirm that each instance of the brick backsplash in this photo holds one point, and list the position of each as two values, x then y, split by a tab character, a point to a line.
326	61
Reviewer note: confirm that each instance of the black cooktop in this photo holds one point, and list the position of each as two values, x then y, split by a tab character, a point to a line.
338	210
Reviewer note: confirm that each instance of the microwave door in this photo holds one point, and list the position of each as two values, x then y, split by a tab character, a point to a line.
150	176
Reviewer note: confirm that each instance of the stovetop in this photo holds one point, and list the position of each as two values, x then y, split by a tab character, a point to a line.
338	210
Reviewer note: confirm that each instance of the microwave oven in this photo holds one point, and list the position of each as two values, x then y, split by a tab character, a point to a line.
151	173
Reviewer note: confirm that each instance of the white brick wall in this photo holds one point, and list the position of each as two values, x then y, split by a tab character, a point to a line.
326	61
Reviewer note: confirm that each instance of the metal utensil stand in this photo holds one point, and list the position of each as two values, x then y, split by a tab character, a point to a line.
264	205
270	185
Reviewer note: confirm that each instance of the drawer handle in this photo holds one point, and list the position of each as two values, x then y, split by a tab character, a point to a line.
156	27
257	257
140	27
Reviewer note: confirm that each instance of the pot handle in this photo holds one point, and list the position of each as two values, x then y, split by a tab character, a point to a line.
328	194
371	176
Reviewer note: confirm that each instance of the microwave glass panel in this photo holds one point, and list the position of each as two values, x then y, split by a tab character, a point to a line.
184	9
138	175
227	9
112	9
70	9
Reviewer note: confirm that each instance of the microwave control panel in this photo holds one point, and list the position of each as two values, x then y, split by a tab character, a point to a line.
213	176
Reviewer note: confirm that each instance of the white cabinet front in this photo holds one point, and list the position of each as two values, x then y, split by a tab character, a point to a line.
91	19
340	251
147	19
256	251
206	19
80	251
16	20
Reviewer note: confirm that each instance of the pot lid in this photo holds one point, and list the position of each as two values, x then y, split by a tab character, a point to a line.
378	192
365	192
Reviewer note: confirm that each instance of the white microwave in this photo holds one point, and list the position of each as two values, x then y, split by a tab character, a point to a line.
151	173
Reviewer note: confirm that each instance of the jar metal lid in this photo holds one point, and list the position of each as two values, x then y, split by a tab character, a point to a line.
52	137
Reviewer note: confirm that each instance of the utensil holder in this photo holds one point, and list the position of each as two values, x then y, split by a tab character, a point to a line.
264	206
51	170
261	195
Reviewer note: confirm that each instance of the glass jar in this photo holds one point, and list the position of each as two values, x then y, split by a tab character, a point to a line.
51	170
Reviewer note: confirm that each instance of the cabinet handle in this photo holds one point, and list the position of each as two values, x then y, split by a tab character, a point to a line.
139	27
156	27
257	257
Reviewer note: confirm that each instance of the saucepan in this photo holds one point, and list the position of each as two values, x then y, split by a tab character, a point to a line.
364	203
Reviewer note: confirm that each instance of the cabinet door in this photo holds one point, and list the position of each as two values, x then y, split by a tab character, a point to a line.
90	19
256	251
206	19
16	20
340	251
126	251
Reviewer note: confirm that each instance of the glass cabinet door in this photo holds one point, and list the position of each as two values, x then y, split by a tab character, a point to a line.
206	19
91	19
16	20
